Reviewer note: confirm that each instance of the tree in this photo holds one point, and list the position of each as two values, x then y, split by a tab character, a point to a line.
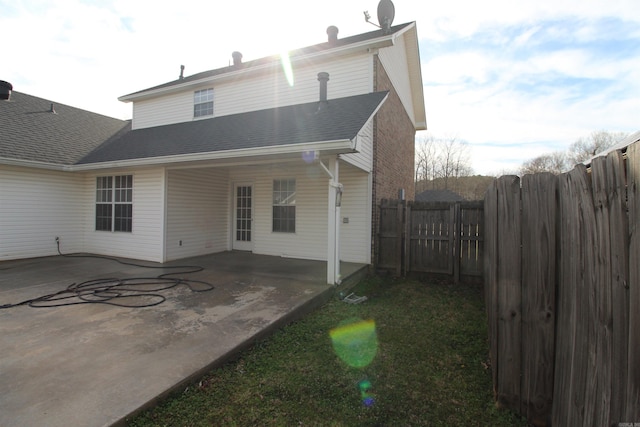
556	163
580	151
586	147
440	162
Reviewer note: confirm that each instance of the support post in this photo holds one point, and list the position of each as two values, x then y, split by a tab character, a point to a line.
333	223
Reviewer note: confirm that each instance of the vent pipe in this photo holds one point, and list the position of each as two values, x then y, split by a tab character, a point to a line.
181	72
332	33
237	58
323	78
5	90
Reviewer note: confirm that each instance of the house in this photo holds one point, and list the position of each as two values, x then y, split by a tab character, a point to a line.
235	158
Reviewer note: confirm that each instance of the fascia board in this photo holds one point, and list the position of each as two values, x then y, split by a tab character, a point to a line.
337	146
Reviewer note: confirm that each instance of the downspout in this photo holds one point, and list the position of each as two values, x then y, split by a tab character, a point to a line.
333	221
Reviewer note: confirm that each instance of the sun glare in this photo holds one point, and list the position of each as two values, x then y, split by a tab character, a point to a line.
286	67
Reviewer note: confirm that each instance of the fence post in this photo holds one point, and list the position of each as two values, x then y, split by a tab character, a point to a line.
456	242
399	234
408	226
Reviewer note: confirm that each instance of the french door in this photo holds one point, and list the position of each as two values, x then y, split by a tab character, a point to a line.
243	217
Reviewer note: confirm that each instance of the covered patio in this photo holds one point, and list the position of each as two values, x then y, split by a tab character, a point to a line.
95	364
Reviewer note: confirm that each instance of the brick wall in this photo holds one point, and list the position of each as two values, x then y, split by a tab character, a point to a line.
393	150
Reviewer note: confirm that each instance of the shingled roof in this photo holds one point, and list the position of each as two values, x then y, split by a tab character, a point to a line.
30	131
317	48
338	119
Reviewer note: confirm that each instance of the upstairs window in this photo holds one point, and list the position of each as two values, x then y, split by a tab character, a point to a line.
203	103
114	203
284	205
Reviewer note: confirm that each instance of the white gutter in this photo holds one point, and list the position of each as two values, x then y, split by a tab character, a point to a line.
32	164
326	146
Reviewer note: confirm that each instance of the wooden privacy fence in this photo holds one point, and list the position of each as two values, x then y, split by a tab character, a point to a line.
431	237
562	290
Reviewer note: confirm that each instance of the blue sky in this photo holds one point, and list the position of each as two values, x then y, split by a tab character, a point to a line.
515	79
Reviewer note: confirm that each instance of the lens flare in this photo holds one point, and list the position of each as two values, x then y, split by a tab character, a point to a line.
286	67
356	342
367	399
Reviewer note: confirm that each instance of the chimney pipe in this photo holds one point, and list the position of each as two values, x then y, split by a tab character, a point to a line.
237	58
323	78
181	72
332	33
5	90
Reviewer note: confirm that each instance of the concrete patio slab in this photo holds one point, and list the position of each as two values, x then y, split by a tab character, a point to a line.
96	364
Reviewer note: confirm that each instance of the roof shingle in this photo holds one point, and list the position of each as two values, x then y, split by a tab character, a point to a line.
336	119
30	131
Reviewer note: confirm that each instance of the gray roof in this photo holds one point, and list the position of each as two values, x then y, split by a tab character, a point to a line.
439	196
314	122
276	58
29	131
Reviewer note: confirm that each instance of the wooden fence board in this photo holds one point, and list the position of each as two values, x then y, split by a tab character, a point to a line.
599	386
539	215
388	236
490	277
566	304
509	291
633	377
619	229
587	362
471	238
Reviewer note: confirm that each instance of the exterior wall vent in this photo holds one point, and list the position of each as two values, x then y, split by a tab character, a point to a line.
5	90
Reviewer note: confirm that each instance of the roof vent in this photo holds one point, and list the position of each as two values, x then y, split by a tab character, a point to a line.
332	32
323	78
5	90
181	72
386	13
237	58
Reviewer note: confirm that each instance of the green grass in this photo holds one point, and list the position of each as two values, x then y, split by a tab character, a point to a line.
430	368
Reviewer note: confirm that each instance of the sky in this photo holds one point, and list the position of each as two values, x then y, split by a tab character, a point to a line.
513	78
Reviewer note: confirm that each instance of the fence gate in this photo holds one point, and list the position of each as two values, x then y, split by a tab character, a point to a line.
434	237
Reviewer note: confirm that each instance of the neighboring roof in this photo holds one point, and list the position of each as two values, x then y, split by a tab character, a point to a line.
275	59
620	145
31	132
338	119
439	196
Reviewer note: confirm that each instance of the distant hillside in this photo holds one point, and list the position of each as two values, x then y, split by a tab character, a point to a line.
469	187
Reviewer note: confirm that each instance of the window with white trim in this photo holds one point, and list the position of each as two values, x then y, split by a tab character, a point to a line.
284	205
114	203
203	103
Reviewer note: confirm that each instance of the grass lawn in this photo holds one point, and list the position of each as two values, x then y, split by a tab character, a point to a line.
428	367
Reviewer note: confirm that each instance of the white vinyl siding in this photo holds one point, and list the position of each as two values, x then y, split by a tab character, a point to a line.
197	212
363	159
355	236
38	205
165	110
310	239
394	60
145	240
348	76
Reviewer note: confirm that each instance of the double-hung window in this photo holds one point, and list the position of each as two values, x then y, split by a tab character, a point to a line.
114	203
203	103
284	205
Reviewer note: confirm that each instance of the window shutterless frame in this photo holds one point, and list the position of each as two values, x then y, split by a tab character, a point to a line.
203	103
114	203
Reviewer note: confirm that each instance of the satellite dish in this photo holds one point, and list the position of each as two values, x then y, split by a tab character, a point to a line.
386	13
